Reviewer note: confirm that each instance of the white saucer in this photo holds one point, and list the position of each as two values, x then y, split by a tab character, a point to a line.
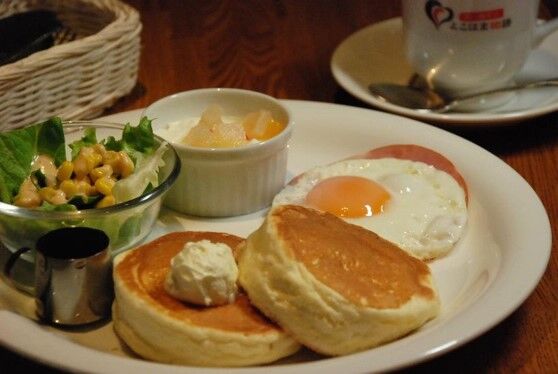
375	55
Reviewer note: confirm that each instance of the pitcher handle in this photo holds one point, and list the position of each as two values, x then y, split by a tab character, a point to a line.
9	266
543	29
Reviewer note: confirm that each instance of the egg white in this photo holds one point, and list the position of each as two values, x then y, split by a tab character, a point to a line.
427	212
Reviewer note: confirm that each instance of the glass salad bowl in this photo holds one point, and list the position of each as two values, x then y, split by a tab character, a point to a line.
126	223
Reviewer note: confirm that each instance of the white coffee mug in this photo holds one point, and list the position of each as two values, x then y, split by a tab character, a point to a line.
465	46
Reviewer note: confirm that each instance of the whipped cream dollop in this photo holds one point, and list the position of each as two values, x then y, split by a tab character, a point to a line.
203	273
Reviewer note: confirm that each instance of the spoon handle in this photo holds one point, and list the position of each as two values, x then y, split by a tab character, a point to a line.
552	82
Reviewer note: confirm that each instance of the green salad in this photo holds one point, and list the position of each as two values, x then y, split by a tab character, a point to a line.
41	172
35	172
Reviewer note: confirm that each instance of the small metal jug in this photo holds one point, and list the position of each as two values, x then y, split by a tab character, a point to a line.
73	275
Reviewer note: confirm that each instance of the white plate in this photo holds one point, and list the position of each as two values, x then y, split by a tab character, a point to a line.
375	54
487	276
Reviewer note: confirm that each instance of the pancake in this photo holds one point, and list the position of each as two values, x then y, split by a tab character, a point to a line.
159	327
335	287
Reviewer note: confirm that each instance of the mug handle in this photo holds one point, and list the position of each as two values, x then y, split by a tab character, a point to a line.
8	267
543	29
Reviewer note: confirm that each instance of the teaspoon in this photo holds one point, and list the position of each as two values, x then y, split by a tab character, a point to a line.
428	100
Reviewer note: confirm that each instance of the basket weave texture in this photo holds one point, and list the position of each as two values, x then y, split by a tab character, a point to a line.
77	79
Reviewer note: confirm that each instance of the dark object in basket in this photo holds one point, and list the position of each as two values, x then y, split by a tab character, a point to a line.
25	33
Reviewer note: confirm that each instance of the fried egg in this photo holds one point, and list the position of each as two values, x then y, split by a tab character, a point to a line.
412	204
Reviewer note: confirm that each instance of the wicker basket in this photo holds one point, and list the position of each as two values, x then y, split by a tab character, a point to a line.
77	79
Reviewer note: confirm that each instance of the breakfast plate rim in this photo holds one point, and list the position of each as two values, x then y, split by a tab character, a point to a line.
349	83
490	304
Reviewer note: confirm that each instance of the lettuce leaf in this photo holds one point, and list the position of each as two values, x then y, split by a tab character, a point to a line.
137	141
89	138
19	147
145	176
48	207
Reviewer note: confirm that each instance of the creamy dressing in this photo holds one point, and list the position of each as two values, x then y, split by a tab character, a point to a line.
47	167
28	195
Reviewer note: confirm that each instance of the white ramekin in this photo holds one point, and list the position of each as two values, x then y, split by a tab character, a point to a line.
221	182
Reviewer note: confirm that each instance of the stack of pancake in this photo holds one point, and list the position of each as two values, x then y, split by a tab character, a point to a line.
332	286
159	327
335	287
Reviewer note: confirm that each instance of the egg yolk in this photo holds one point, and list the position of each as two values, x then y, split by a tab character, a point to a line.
348	196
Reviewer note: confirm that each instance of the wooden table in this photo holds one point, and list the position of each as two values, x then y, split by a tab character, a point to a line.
283	48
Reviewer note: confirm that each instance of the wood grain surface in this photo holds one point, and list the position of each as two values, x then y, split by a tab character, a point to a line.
283	48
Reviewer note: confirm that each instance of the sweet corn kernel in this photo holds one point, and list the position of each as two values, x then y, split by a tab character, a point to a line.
69	187
46	192
92	157
84	187
65	171
126	164
104	185
80	167
101	171
100	149
111	158
106	201
28	195
52	195
90	160
84	151
28	200
97	159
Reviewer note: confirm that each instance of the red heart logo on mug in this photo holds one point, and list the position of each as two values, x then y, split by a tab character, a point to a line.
438	13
